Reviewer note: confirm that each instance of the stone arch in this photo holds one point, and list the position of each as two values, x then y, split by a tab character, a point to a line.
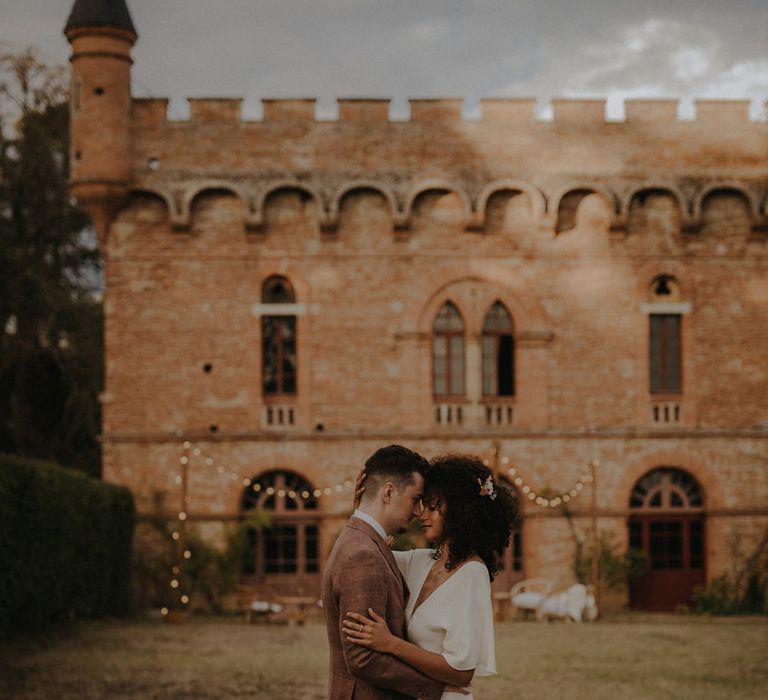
704	474
569	199
684	204
436	185
201	188
362	185
641	193
727	187
193	198
696	494
525	313
648	272
536	197
142	220
307	193
273	188
290	272
719	217
156	193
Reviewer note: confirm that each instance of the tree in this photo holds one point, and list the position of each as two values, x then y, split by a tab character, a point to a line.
51	352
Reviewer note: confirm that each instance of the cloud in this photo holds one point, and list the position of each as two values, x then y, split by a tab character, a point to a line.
656	57
405	48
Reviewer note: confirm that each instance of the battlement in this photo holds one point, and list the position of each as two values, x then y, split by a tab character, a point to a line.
496	110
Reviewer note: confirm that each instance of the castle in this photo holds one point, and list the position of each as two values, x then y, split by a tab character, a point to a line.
284	296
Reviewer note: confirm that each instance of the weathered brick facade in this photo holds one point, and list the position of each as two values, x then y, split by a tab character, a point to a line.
376	224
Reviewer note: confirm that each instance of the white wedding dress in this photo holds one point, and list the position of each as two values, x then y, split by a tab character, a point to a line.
456	620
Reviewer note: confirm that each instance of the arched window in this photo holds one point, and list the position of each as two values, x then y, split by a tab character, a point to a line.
278	340
448	352
498	352
666	488
665	329
290	544
667	524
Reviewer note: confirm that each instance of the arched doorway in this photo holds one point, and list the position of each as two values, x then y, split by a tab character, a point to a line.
284	555
667	523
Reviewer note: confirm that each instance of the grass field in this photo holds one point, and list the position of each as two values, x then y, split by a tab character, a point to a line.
634	657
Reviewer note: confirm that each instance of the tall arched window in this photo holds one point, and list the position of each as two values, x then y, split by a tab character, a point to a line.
278	340
667	523
290	544
448	352
665	360
498	352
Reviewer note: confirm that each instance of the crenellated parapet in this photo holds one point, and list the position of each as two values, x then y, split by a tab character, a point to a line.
497	110
505	149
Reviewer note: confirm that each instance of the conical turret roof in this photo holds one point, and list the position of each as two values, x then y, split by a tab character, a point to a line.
100	13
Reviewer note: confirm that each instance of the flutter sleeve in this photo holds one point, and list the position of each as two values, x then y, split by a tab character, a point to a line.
468	642
403	561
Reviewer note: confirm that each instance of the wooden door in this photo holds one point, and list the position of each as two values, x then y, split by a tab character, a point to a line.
675	549
667	523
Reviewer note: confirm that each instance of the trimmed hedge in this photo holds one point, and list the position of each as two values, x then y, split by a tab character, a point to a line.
65	545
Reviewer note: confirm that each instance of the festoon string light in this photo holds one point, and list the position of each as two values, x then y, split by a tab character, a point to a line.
551	500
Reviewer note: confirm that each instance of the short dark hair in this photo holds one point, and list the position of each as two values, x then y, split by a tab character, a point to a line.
393	463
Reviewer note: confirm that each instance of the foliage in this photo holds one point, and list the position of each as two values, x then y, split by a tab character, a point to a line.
742	590
210	573
50	316
616	570
65	541
213	572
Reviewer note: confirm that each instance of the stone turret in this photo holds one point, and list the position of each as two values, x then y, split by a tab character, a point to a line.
102	34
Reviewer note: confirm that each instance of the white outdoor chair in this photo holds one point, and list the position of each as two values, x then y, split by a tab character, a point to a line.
530	595
575	603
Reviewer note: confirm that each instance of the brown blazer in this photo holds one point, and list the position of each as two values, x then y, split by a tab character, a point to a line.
361	573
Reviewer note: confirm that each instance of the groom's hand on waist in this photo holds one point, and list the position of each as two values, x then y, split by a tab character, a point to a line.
464	690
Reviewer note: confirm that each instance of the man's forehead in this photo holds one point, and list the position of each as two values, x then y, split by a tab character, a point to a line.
418	484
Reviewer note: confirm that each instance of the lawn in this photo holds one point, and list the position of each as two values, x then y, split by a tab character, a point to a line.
633	657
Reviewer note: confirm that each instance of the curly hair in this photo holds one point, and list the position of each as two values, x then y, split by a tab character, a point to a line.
474	524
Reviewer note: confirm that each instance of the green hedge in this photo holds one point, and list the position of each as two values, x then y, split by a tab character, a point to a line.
65	545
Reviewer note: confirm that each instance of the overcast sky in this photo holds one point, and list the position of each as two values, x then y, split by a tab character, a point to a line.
429	48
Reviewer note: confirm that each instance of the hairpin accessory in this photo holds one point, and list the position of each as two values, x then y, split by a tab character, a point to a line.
487	488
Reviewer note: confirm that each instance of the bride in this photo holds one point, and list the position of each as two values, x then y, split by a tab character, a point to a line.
468	519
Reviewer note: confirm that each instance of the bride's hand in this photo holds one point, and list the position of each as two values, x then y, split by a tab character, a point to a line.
371	632
359	488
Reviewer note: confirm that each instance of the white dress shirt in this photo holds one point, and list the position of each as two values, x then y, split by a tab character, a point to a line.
372	522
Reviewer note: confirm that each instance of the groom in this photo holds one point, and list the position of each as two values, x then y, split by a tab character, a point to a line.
361	573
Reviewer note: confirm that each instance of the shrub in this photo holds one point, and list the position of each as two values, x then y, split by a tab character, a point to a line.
65	542
210	573
743	590
616	570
